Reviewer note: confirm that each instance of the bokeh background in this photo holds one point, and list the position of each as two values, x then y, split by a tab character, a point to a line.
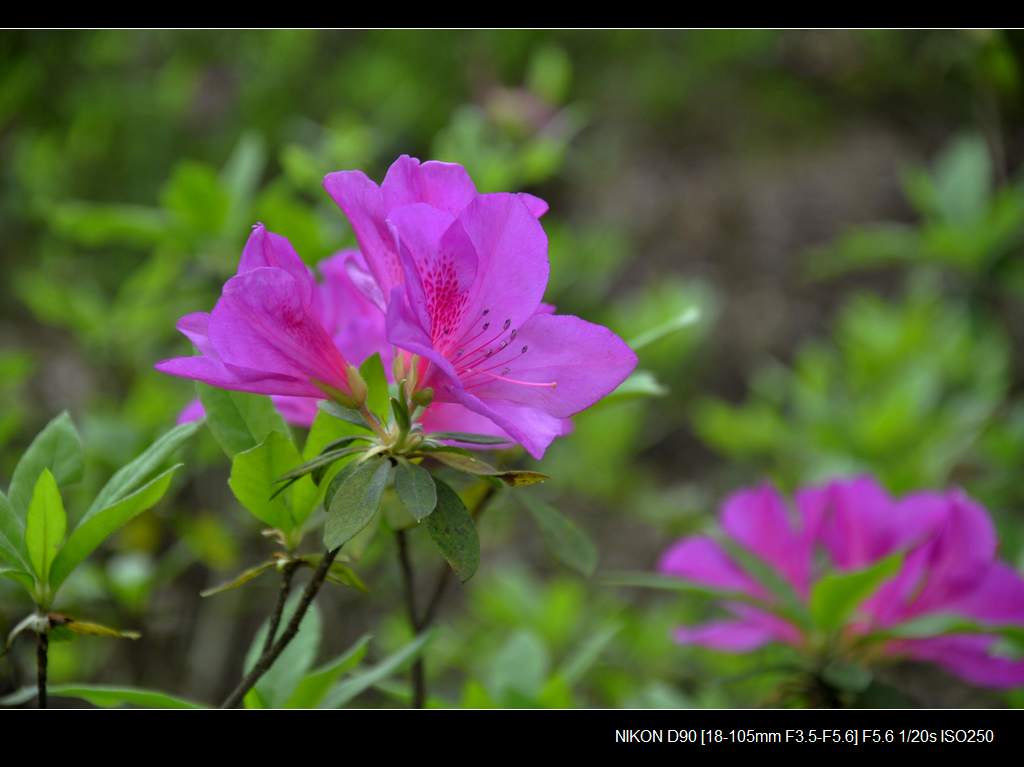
843	209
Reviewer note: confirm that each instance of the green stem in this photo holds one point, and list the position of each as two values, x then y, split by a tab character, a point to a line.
42	662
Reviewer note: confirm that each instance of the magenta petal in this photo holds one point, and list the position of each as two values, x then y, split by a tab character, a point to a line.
759	520
969	657
448	416
556	363
725	635
264	322
361	201
193	411
535	205
702	560
442	185
355	322
298	411
264	248
439	267
512	266
997	597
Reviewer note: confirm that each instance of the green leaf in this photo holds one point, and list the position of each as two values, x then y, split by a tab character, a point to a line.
281	680
519	667
640	384
471	465
377	400
671	583
469	439
788	603
586	655
104	696
321	461
567	542
87	628
836	596
947	624
415	488
352	499
45	525
342	413
57	448
239	421
327	431
96	526
315	685
12	537
349	688
253	481
129	477
454	533
401	414
239	580
685	318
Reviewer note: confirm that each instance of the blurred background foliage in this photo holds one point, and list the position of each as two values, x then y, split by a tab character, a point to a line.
842	213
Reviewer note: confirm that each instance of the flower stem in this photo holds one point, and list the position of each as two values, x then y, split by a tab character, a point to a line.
417	672
267	659
42	661
287	572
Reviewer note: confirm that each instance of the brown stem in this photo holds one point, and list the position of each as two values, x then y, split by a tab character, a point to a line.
287	572
416	672
42	661
418	623
267	659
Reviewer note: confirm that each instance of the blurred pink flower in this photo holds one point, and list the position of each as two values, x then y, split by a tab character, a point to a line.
949	569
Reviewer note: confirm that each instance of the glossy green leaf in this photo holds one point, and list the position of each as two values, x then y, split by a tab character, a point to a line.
345	414
96	526
566	541
57	448
239	580
240	421
377	400
12	537
45	525
253	480
415	488
315	685
281	680
454	532
349	688
353	498
127	479
467	438
104	696
836	596
469	464
683	319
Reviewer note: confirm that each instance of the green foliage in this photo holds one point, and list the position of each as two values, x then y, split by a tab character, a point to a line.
454	533
353	498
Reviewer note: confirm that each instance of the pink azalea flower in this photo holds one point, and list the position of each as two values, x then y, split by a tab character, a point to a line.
276	331
460	276
949	568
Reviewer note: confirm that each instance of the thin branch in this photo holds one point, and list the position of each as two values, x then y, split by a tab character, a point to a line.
287	572
416	672
42	661
267	659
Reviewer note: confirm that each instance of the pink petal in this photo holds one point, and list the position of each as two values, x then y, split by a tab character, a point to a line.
264	322
193	411
702	560
264	248
355	322
442	185
968	657
556	363
725	635
759	520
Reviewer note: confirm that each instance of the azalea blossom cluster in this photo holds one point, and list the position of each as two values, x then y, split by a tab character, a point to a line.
947	600
447	285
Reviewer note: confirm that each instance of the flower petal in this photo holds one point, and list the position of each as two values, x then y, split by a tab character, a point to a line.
702	560
264	322
726	635
759	520
556	363
968	657
442	185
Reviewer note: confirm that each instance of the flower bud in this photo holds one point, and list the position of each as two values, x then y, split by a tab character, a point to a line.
423	397
356	385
